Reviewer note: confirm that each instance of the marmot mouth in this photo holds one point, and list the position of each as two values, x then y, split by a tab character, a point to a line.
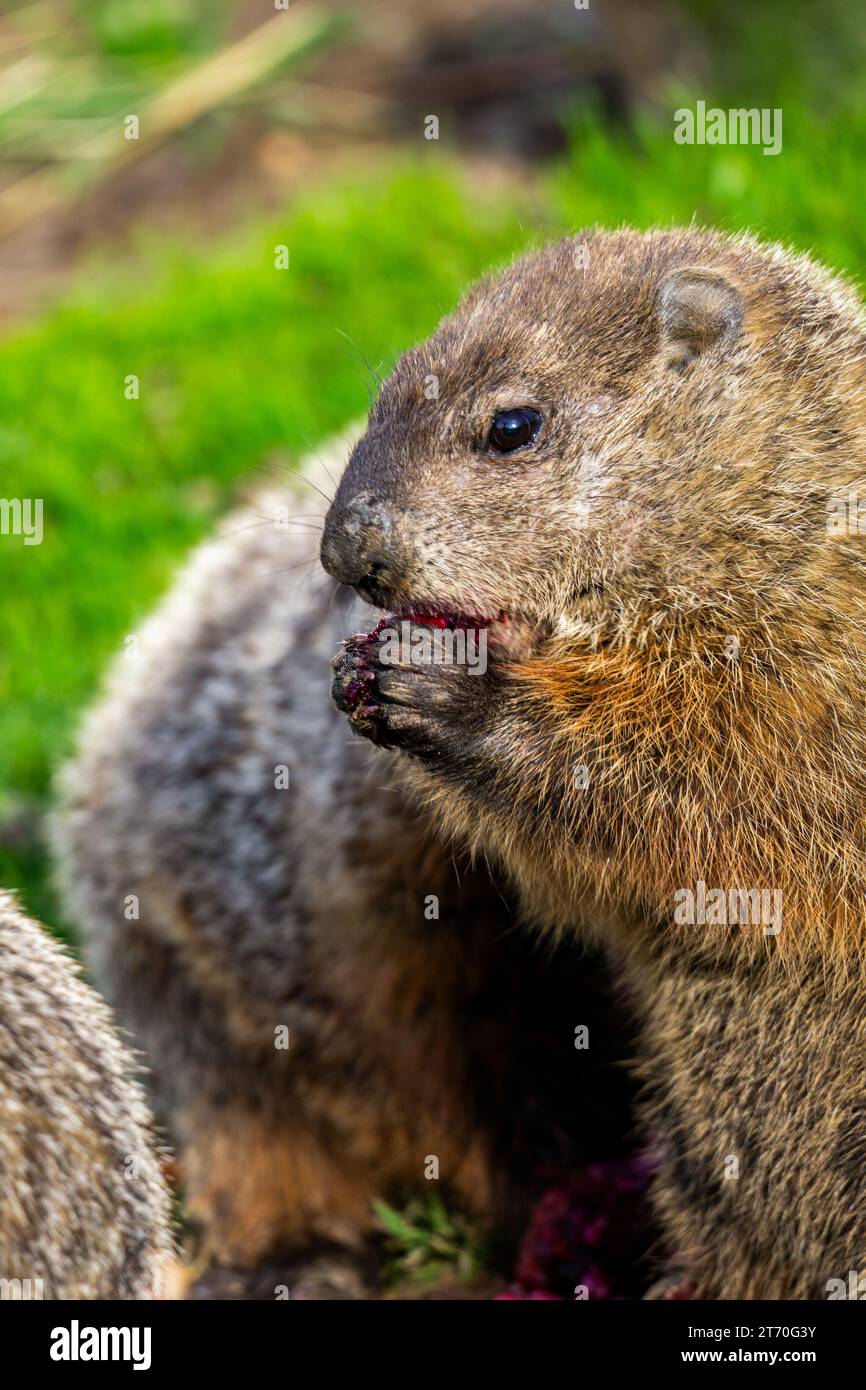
435	615
510	636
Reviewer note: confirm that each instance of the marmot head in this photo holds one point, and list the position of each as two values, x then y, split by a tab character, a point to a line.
618	434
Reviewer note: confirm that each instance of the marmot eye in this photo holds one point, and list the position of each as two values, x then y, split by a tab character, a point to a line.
513	429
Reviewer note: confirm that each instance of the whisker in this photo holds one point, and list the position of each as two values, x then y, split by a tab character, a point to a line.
361	357
318	456
250	526
317	591
287	569
296	473
307	522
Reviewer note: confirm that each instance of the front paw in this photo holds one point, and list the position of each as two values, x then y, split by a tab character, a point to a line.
406	685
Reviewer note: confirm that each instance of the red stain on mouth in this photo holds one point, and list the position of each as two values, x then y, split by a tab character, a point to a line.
432	615
355	684
431	620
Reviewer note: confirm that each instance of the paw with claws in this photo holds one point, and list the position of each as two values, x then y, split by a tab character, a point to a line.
402	687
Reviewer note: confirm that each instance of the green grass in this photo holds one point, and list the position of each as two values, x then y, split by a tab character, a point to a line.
770	52
427	1241
807	196
241	364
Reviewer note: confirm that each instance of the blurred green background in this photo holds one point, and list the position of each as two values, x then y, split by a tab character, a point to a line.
161	263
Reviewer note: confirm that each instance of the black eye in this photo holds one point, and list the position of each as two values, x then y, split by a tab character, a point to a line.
513	429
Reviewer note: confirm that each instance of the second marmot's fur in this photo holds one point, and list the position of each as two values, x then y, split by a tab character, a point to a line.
84	1210
625	476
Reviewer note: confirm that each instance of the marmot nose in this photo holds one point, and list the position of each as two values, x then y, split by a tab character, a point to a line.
358	540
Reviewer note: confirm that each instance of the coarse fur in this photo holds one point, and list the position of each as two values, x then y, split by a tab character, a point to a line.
85	1209
328	996
673	699
689	638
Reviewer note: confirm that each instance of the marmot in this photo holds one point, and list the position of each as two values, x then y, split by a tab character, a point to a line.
334	1005
633	461
616	457
84	1212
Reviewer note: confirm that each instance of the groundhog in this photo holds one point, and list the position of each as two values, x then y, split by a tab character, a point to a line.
615	462
85	1211
336	1006
633	462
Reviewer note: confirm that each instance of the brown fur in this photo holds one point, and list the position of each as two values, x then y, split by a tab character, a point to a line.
304	908
703	397
84	1211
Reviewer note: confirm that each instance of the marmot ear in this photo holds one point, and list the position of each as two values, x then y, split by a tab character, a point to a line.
696	309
